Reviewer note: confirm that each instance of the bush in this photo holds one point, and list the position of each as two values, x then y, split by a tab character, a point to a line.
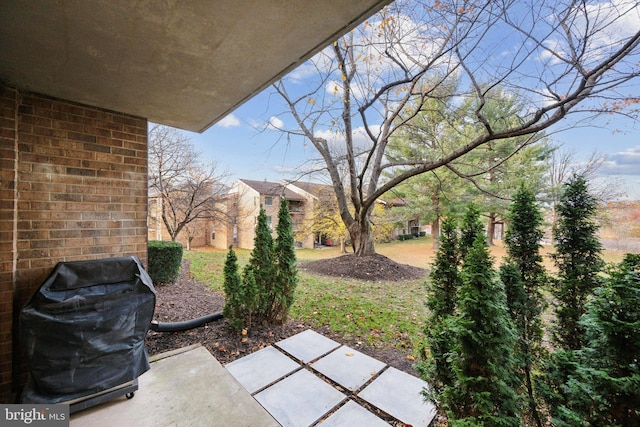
164	259
265	291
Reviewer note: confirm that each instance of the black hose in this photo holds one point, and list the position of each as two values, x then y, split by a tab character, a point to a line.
186	325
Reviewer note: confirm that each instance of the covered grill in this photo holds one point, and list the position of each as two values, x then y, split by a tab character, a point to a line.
83	332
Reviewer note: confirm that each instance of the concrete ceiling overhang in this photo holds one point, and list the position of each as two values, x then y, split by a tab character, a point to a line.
183	63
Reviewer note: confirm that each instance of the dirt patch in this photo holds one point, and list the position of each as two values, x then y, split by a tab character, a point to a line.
371	268
187	299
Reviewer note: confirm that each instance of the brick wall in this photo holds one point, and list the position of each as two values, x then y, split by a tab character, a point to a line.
8	162
80	193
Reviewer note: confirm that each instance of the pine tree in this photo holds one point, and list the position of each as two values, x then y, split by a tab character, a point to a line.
577	258
524	276
261	264
442	288
286	278
483	356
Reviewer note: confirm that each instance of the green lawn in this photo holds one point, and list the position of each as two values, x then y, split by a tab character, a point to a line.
382	314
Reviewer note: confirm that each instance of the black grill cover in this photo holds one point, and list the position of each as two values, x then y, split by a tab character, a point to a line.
84	329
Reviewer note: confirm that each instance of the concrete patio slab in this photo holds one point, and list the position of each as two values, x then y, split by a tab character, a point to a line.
261	368
300	399
184	388
307	345
348	367
398	394
352	414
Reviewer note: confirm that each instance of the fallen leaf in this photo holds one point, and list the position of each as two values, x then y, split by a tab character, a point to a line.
411	358
244	332
349	354
244	339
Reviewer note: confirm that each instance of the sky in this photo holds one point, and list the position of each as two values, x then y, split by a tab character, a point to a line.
240	144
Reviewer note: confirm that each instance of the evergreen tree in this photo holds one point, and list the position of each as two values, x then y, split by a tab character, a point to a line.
524	276
471	227
612	325
482	359
261	264
240	295
232	290
442	288
286	278
577	258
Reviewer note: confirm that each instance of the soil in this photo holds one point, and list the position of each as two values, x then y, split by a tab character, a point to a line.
370	268
188	298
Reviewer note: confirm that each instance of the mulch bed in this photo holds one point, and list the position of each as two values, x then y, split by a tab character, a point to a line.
188	298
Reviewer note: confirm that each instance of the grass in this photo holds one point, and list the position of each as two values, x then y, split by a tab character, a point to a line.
390	314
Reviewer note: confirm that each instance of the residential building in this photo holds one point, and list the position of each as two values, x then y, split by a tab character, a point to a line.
196	233
243	206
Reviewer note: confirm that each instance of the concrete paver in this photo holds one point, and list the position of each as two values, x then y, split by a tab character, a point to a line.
261	368
398	394
307	345
348	367
300	399
190	388
350	415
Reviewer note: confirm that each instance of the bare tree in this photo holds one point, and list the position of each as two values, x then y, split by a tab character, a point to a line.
186	186
563	164
561	58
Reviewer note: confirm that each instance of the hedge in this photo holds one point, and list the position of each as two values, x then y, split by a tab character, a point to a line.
164	259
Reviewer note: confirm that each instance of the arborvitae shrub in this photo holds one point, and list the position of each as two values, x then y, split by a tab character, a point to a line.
266	290
577	258
524	278
612	355
262	264
235	299
442	288
286	278
164	259
471	228
482	358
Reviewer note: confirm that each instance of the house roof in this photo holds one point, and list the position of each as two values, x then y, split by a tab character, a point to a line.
272	189
320	191
184	64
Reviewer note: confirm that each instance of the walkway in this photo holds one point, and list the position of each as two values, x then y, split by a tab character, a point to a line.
309	379
304	380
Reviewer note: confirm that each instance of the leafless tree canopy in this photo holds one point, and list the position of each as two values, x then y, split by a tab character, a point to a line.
558	58
186	186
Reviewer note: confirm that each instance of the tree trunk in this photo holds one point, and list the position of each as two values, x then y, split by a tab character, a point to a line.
491	228
362	238
343	245
435	232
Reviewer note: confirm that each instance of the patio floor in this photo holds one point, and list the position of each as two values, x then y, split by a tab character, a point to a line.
304	380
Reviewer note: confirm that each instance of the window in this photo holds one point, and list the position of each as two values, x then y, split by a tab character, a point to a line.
269	222
268	201
213	235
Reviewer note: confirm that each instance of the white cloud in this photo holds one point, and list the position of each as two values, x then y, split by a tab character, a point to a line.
229	121
275	123
622	163
361	140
